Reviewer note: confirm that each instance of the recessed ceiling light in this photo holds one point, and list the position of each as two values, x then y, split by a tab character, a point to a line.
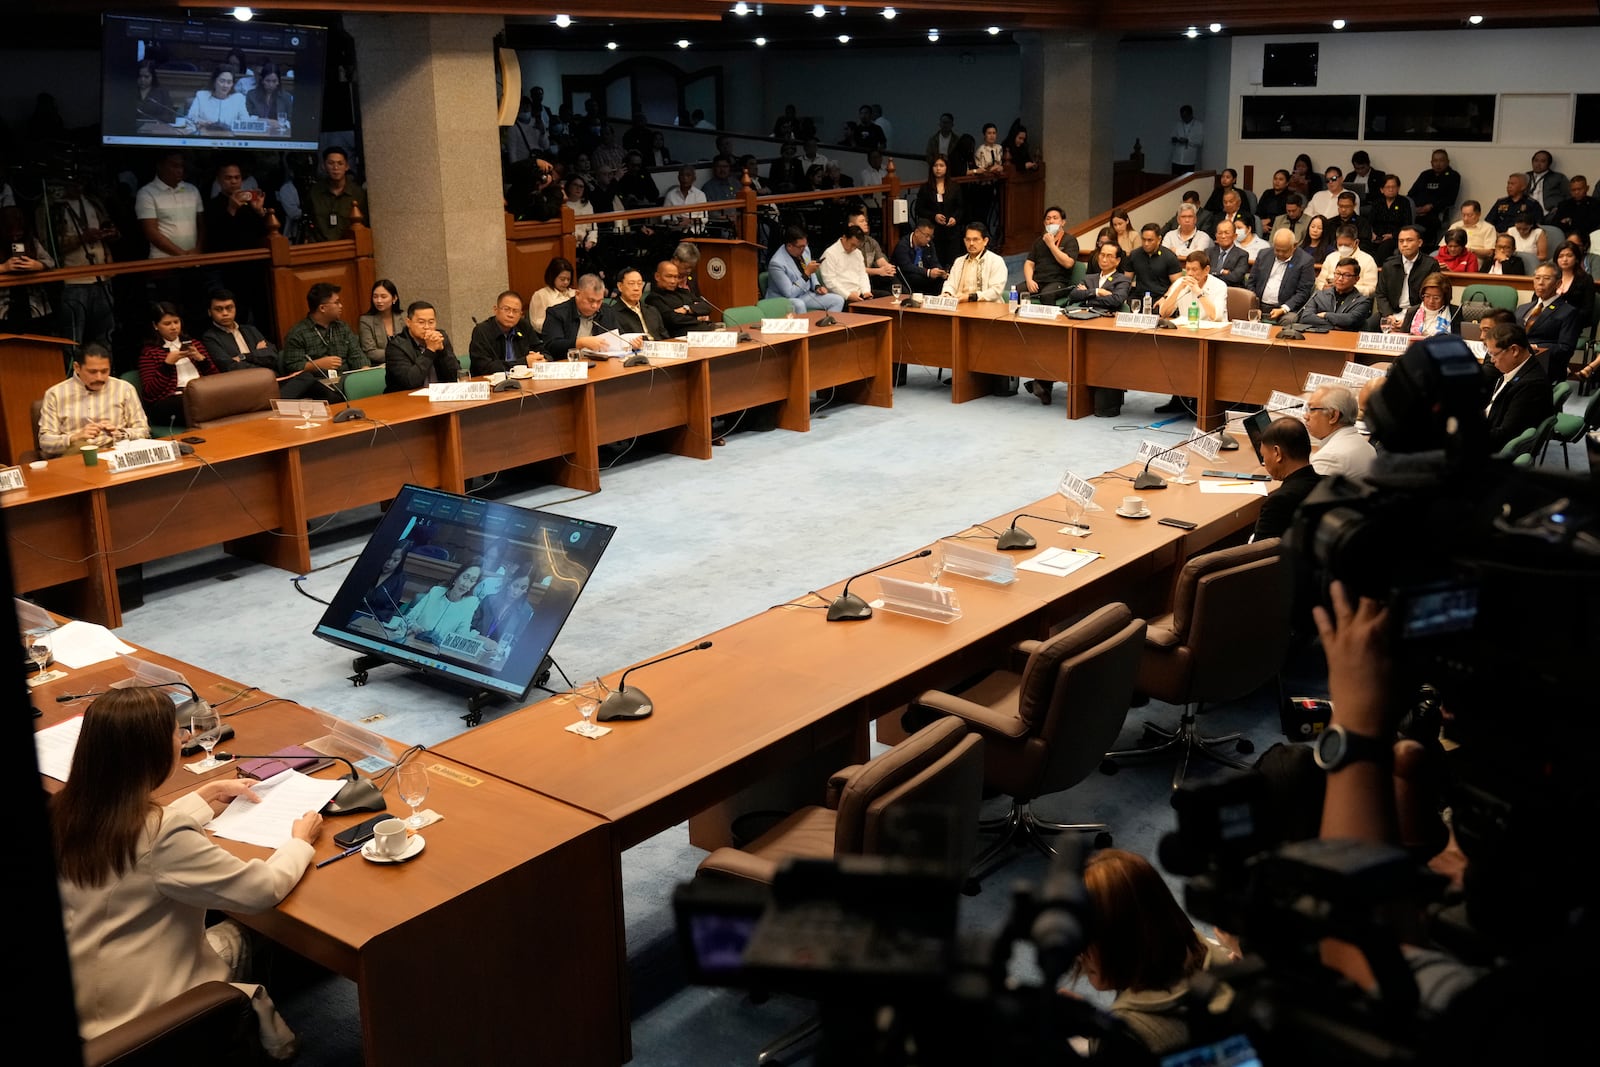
844	38
1475	19
818	11
611	46
741	8
1338	24
563	21
933	35
1191	33
889	12
1215	27
683	43
994	31
243	14
761	42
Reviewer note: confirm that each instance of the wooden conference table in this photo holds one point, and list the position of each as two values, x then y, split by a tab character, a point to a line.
501	943
255	485
980	341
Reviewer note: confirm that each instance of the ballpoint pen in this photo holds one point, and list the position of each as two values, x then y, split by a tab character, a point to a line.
351	851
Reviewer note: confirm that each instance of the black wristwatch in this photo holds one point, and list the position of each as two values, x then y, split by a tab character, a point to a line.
1336	748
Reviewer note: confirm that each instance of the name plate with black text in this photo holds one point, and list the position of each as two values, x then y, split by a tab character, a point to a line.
940	303
137	455
795	325
1045	312
561	369
1383	342
1135	321
1259	330
711	339
1174	462
448	392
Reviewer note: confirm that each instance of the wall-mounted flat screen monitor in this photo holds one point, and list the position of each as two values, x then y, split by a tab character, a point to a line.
211	83
1292	64
471	590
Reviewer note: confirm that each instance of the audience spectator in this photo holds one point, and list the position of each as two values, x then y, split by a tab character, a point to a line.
1325	202
1503	259
1151	269
1400	279
320	346
1227	179
633	314
939	201
1202	218
1232	210
1340	306
1346	246
1124	233
1188	135
1527	235
917	260
421	354
1546	187
236	221
1503	214
1434	194
874	173
1187	236
1229	263
91	407
1551	324
1019	154
504	340
883	124
1521	399
980	274
581	323
864	134
233	345
811	156
585	234
843	270
1453	254
1295	219
1579	213
1283	282
81	230
1480	235
1270	205
169	210
1363	179
787	174
1340	448
1250	243
333	201
21	306
168	362
1575	286
791	275
1286	455
529	135
380	322
1303	177
1318	241
943	139
558	275
636	187
607	153
1048	269
657	154
879	269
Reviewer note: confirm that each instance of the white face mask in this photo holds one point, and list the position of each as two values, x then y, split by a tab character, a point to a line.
1052	228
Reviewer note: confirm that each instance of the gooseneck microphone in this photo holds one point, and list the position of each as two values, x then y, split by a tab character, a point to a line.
627	703
1016	537
350	412
358	794
851	608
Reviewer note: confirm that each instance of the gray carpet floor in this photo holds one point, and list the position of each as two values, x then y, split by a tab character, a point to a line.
699	545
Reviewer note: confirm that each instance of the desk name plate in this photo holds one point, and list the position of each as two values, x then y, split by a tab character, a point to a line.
1137	322
444	392
137	455
1076	489
304	410
1383	342
1282	403
711	338
545	371
1358	374
11	479
1039	311
1205	443
1174	462
920	600
1259	330
940	303
1315	381
794	325
664	350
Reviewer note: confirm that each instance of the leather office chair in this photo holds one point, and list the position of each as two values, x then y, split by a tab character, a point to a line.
940	766
228	397
1227	633
1241	302
211	1023
1046	726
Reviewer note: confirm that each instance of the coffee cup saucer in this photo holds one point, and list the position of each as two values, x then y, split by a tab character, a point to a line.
1145	514
414	848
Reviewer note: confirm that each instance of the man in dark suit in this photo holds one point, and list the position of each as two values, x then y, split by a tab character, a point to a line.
676	306
420	353
1400	279
1286	453
584	322
1340	306
503	341
231	344
1228	261
1284	280
1552	325
1434	194
1521	399
918	261
1105	290
632	312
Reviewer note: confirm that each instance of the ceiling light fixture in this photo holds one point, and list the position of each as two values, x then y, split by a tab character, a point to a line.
933	34
611	46
1191	33
994	31
1215	27
683	43
243	14
741	8
818	11
844	38
563	21
1474	19
890	13
761	42
1338	24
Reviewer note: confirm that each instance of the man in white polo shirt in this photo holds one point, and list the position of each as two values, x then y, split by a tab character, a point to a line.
169	209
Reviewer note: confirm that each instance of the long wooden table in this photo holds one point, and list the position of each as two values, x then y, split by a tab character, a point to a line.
254	486
501	943
979	342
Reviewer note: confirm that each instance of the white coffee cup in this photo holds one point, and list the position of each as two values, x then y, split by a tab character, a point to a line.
1133	505
389	838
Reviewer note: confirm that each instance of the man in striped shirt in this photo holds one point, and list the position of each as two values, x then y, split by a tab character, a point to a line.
90	408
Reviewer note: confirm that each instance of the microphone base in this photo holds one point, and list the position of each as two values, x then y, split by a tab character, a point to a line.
358	795
1015	539
1227	442
506	385
1147	481
636	361
625	704
351	415
849	608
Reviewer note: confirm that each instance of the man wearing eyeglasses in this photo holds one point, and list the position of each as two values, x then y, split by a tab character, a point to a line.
319	347
1340	448
1521	399
503	341
1340	306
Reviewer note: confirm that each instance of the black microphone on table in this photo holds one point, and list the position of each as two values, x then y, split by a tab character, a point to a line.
350	413
851	608
1016	537
358	794
627	703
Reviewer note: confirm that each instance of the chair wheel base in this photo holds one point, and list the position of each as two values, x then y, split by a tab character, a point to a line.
1184	741
1022	826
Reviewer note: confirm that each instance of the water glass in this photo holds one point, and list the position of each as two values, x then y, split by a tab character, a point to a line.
412	781
895	290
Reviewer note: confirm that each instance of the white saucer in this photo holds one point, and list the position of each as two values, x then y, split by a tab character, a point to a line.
369	851
1145	514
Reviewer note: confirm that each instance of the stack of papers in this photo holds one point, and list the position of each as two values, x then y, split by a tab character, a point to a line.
1059	561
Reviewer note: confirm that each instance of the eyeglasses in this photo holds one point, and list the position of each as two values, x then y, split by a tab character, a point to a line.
1344	274
1325	411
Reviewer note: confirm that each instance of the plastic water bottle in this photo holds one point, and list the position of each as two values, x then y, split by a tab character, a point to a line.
1145	309
1014	301
1194	315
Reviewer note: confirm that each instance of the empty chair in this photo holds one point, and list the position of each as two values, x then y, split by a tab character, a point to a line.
1570	429
229	397
775	307
1227	633
213	1022
1046	726
360	384
742	316
1241	302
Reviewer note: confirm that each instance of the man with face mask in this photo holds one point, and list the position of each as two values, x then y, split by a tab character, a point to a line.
1340	449
1347	238
1048	268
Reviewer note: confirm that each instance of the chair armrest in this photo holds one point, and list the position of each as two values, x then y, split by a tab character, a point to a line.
838	783
213	1014
736	864
978	716
1161	633
1020	653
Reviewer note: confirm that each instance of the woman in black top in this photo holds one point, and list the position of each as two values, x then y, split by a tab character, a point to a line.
939	201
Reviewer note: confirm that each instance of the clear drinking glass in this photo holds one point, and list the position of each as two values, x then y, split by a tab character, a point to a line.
39	652
896	289
588	696
412	781
1254	315
205	726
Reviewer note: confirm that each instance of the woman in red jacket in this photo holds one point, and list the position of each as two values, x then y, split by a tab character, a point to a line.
168	363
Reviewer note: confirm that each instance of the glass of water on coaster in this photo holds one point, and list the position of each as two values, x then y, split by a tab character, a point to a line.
205	726
412	781
588	696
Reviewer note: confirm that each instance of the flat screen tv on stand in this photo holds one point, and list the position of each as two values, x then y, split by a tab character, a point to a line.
470	592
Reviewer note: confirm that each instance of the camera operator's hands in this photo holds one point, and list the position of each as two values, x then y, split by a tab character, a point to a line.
1355	641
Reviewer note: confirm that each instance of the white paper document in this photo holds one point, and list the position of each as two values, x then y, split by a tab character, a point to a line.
78	644
1235	488
54	745
1059	561
284	798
